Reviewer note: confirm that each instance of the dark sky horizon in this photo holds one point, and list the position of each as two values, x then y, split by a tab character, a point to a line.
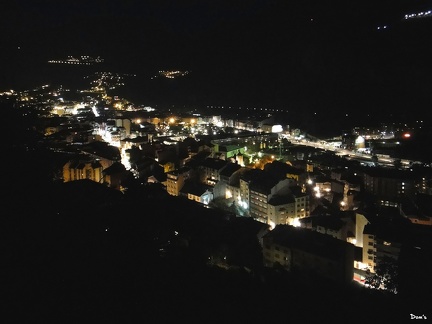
310	55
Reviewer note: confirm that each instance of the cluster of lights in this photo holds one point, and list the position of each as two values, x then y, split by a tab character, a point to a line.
68	109
8	93
421	14
247	108
107	80
82	60
173	74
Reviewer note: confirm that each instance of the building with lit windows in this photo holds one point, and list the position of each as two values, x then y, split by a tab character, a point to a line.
227	173
198	192
382	240
246	177
344	225
284	170
125	125
228	186
287	209
258	204
331	225
322	188
389	185
176	180
261	190
79	169
210	169
347	226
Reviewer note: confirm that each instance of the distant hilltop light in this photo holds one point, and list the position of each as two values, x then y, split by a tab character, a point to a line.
382	27
81	60
421	14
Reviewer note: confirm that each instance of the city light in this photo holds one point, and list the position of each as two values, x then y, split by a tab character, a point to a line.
227	177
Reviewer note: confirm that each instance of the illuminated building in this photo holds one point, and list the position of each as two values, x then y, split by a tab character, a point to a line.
261	190
287	209
228	186
176	180
227	152
380	241
198	192
83	169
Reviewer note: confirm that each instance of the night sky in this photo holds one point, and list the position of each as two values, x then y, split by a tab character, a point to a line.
300	56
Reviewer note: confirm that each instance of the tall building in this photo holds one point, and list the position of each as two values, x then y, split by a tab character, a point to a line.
287	209
176	180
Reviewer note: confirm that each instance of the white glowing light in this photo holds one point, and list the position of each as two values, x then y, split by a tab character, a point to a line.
277	128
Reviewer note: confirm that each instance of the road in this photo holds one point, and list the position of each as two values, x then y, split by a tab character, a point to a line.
349	154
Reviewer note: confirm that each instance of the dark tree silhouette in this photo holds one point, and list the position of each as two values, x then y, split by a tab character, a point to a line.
386	276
